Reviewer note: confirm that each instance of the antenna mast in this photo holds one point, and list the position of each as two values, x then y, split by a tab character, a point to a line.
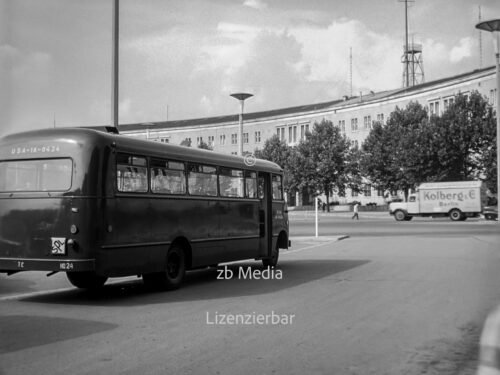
350	69
413	70
480	42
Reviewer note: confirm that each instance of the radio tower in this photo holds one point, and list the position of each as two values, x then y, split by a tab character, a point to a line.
413	69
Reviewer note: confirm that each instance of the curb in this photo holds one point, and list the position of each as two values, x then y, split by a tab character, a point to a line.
319	238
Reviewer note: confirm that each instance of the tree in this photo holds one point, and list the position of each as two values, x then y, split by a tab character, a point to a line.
280	153
274	150
464	140
393	158
205	146
186	142
413	148
322	161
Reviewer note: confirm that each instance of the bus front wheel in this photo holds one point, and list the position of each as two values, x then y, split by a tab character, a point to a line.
173	275
86	280
272	261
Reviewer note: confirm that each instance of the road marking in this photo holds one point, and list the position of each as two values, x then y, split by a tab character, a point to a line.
321	241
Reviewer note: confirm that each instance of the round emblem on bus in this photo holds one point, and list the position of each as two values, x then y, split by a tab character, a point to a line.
250	160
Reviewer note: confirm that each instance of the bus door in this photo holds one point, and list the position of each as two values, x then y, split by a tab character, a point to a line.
265	214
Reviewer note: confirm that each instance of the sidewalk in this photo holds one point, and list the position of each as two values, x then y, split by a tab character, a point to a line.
346	214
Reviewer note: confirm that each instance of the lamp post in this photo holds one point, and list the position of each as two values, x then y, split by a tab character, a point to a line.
241	96
493	26
114	66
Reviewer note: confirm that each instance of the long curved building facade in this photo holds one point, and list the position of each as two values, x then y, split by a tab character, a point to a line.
354	116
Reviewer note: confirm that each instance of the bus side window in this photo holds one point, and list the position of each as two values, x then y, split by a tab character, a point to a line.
131	174
277	187
250	184
231	183
202	180
167	177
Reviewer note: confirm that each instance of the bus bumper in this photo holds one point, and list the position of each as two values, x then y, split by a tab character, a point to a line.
62	265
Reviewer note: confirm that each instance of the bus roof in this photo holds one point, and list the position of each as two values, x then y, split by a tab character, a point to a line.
139	146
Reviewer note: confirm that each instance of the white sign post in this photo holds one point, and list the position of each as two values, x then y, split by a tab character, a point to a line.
316	216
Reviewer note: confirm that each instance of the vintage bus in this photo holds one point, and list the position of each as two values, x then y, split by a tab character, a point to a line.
96	205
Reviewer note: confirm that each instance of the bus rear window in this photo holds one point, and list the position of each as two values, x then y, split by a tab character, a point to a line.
36	175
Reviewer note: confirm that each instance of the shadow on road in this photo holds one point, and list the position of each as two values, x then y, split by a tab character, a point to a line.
203	285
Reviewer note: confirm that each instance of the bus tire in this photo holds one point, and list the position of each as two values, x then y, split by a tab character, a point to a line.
173	275
455	214
408	218
272	261
399	215
86	280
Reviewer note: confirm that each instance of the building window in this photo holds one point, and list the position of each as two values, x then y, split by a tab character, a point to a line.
234	138
434	108
354	124
290	134
447	103
222	139
257	137
380	118
245	137
211	140
281	134
342	126
164	140
380	192
492	99
199	140
367	190
367	122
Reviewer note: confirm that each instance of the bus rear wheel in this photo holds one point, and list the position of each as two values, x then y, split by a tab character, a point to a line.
173	275
272	261
86	280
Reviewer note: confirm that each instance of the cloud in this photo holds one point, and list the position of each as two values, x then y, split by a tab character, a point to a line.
462	51
255	4
326	50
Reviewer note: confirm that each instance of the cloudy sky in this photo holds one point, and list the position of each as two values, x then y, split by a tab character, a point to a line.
182	58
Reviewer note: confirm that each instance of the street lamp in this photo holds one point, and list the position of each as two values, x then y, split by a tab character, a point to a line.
241	96
493	26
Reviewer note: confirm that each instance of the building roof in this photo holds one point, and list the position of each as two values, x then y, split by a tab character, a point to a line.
189	123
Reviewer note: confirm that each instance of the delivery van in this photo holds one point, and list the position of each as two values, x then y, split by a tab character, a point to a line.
457	200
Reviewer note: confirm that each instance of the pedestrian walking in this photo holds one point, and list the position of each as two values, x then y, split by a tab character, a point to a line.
355	210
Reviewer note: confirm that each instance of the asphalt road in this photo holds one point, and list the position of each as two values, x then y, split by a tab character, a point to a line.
376	224
369	304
